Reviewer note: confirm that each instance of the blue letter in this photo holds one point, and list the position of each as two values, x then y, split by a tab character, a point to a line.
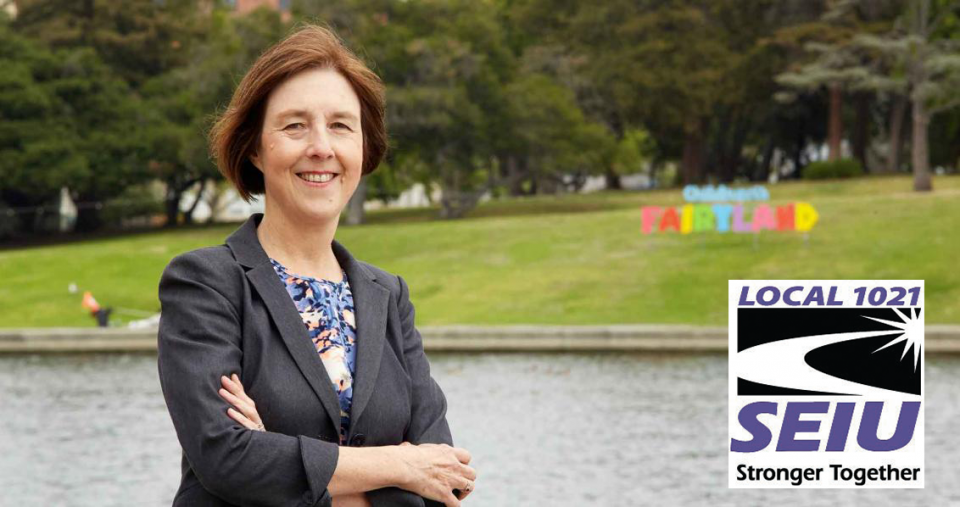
815	296
789	292
768	290
748	420
832	298
867	437
793	425
840	427
722	212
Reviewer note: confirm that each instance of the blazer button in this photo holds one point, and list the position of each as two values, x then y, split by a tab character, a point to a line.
358	440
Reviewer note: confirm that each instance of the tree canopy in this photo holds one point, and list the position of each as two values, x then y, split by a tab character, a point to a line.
489	98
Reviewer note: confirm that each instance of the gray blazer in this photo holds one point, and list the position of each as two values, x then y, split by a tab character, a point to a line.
224	310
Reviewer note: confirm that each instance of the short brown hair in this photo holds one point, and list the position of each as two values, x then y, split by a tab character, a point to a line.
236	134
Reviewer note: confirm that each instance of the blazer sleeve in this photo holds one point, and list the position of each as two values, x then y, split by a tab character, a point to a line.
199	340
428	421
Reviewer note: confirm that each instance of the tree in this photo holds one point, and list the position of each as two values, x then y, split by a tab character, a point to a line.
138	39
673	68
183	101
107	120
551	139
48	102
445	65
106	51
945	139
924	65
548	41
837	64
36	157
441	124
634	153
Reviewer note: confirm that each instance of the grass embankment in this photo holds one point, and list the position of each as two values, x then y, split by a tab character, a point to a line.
567	260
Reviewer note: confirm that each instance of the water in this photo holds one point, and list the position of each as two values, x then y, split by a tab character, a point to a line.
552	430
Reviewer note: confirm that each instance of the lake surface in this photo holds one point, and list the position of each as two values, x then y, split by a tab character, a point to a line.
552	430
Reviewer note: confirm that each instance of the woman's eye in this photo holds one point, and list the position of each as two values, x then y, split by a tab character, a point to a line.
294	126
340	125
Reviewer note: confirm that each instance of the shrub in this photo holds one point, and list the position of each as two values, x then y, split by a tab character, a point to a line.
9	222
843	168
134	207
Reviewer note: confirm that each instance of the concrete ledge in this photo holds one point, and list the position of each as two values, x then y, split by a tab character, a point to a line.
71	340
940	339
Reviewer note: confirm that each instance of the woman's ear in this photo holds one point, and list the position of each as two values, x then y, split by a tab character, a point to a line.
255	160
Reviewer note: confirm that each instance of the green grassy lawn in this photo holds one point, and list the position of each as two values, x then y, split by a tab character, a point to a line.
554	260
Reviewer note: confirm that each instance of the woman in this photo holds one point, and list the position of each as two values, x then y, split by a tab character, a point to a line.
293	373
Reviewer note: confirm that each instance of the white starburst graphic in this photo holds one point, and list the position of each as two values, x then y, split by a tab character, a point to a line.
912	333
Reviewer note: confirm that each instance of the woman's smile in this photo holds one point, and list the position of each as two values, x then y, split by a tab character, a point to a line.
317	179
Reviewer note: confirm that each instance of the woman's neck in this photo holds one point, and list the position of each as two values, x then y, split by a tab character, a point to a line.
304	249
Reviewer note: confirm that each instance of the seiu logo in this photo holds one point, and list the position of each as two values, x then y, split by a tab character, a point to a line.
826	384
800	417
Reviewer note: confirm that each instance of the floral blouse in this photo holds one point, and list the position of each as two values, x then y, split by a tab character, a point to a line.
327	310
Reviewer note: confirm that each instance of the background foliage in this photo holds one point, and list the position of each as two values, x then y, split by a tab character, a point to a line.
496	97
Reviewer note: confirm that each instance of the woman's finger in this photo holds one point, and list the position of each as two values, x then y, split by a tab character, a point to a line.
466	490
242	419
463	455
236	402
236	388
236	380
450	500
469	472
245	408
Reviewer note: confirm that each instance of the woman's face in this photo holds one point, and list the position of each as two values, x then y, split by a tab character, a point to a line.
311	146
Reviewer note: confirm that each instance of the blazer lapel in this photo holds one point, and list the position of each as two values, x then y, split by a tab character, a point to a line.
247	250
295	337
371	301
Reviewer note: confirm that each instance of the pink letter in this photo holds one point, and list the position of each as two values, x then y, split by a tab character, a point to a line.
738	225
648	217
763	218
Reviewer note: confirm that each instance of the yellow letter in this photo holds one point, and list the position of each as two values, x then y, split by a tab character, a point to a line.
805	216
686	219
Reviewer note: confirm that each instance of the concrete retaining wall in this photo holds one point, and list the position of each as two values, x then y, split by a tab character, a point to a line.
940	339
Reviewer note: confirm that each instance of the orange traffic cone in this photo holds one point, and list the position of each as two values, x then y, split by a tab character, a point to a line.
90	303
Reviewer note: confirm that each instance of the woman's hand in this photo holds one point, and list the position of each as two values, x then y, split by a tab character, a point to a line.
244	411
435	470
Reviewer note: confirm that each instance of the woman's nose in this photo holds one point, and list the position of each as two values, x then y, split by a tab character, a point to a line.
319	144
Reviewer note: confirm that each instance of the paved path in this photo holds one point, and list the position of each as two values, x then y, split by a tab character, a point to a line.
940	339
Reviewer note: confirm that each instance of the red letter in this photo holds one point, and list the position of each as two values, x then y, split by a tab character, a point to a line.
785	218
670	220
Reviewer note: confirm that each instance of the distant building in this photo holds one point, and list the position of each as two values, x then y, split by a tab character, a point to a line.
245	6
10	7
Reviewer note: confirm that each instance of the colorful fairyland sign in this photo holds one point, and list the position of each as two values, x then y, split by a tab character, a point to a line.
706	211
